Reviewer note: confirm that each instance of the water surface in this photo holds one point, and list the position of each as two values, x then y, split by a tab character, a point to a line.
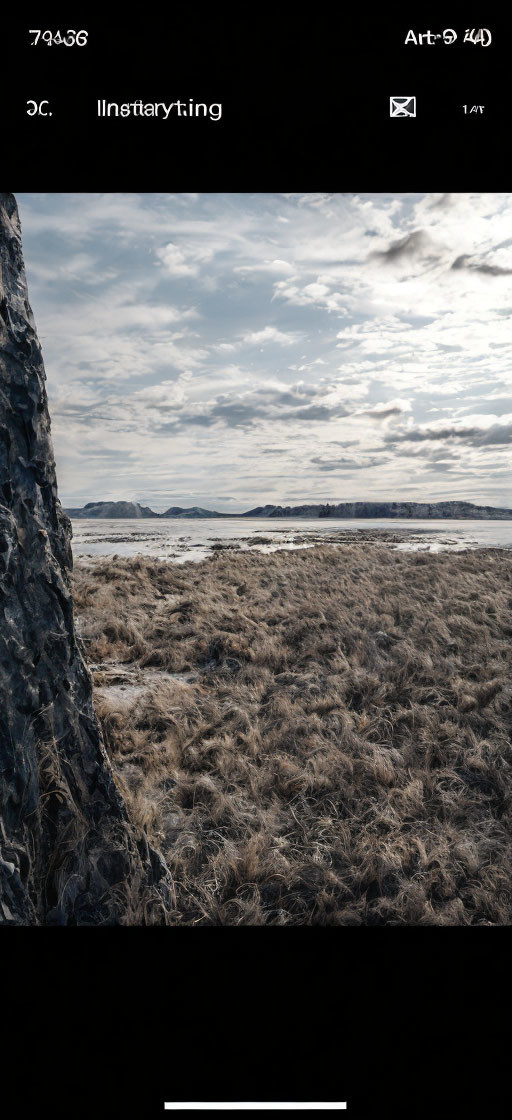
181	540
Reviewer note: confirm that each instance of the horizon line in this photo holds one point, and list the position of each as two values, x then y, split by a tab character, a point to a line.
288	505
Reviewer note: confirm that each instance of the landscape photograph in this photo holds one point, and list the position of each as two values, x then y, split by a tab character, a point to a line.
256	559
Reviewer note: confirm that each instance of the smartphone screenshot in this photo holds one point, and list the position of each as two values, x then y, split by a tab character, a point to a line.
255	559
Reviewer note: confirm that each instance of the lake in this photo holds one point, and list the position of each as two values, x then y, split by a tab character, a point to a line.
180	540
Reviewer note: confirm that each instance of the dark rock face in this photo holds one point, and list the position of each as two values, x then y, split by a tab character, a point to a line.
68	852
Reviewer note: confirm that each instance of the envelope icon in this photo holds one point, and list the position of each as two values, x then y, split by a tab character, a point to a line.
402	106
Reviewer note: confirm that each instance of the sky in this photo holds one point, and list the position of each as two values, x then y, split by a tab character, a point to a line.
229	350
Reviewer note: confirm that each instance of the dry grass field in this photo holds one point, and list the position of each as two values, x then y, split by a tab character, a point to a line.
313	737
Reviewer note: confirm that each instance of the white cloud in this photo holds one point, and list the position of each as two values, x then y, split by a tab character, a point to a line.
388	307
275	266
270	334
174	260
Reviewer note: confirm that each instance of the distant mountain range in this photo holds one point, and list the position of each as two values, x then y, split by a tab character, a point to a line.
343	510
128	510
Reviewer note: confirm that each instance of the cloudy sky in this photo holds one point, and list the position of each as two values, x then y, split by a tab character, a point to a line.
235	349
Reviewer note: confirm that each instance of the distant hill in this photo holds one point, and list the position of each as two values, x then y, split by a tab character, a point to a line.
343	510
132	510
193	511
386	509
110	510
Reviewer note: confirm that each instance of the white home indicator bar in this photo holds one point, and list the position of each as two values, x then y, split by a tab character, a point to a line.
323	1106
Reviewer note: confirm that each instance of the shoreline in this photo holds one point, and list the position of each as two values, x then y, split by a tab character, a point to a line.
183	547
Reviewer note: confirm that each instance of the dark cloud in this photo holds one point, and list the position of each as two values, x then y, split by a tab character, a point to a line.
476	437
317	412
115	455
383	413
440	467
430	458
429	454
412	245
300	402
442	203
345	464
467	261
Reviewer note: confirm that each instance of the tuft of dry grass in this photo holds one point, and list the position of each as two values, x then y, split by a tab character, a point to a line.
341	753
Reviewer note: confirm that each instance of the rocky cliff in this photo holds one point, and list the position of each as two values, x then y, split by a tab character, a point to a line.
68	852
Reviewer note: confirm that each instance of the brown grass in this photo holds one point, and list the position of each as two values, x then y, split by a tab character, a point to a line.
343	756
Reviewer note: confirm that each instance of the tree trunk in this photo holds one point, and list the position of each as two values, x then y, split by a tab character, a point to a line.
68	852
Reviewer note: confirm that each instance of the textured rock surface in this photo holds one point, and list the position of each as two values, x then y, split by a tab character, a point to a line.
68	853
